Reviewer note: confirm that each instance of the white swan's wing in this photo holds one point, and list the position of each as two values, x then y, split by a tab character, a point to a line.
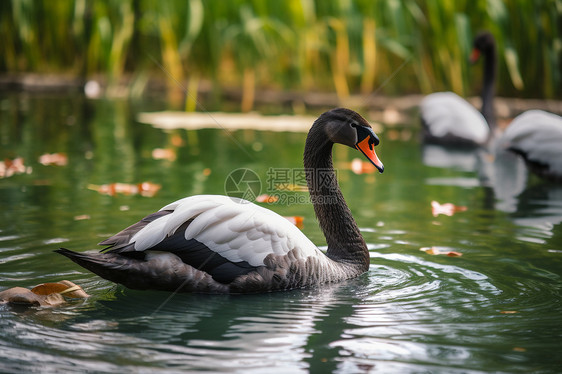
537	136
447	115
224	236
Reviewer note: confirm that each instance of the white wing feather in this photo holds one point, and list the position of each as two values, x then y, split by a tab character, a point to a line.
447	113
539	135
236	229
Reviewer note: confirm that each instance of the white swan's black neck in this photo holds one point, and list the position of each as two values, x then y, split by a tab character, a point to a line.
345	243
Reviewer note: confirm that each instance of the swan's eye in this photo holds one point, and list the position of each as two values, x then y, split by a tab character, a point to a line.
354	124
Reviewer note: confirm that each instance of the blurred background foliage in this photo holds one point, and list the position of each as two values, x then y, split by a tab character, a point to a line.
391	47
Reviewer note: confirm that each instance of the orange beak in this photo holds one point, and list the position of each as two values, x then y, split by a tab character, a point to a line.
475	55
367	147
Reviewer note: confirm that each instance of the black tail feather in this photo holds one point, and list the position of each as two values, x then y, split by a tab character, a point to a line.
82	259
108	266
129	271
167	273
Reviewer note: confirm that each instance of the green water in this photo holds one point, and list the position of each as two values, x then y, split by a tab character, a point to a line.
412	312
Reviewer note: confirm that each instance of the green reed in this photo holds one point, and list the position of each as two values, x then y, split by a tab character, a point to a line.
346	46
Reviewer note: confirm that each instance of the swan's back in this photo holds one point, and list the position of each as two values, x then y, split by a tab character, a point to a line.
448	118
235	229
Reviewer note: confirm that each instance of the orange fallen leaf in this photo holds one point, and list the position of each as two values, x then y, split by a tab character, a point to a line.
164	154
391	115
392	134
291	187
24	296
265	198
359	166
176	140
206	172
147	189
48	288
406	135
58	159
454	254
63	287
295	220
440	251
47	294
509	312
81	217
447	209
10	167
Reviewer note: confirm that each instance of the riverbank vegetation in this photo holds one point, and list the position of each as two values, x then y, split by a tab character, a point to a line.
348	46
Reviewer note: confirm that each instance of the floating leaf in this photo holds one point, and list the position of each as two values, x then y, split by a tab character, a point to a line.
19	295
291	187
58	159
454	254
176	140
11	167
509	312
81	217
397	134
295	220
164	154
48	288
47	294
265	198
23	296
447	209
64	287
147	189
440	251
359	166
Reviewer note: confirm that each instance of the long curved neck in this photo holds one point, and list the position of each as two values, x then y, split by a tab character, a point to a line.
345	243
488	86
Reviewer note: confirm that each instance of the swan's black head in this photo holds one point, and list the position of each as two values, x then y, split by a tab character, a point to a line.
484	43
344	126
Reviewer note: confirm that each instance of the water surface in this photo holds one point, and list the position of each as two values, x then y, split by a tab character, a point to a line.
497	308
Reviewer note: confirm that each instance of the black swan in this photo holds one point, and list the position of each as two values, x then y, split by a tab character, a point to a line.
218	244
449	119
536	135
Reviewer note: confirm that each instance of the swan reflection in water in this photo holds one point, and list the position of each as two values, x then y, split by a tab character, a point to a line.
530	201
375	319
